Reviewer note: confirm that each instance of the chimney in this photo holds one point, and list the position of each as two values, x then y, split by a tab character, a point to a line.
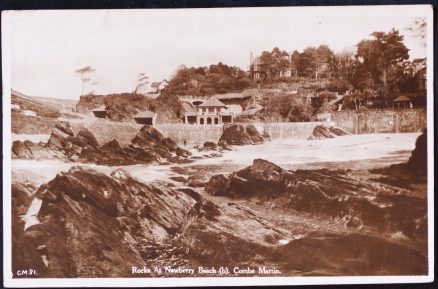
250	58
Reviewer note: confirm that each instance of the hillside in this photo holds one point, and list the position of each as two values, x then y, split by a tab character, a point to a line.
123	106
61	104
35	104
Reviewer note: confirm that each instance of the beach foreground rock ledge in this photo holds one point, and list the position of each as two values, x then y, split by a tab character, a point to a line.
149	145
91	224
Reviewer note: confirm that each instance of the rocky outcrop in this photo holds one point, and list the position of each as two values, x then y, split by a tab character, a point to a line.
238	134
96	225
150	139
149	145
418	160
413	171
323	132
330	193
62	144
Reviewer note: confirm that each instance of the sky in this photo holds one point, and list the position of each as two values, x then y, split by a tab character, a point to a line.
44	48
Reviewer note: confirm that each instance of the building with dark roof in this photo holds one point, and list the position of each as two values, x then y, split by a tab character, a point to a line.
146	117
100	112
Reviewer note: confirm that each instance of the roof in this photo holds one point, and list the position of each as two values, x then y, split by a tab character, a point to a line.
212	102
402	98
155	84
100	108
232	95
145	114
419	60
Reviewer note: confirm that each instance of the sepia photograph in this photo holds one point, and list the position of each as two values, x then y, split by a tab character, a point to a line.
157	147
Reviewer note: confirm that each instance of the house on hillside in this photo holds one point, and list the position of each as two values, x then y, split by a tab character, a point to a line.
257	69
146	117
211	112
157	87
100	112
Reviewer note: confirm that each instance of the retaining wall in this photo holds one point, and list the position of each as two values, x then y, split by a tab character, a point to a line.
357	122
193	134
381	120
291	130
105	131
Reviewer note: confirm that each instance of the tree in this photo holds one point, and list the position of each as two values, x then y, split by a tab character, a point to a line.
84	74
276	61
306	62
322	56
380	56
295	59
142	81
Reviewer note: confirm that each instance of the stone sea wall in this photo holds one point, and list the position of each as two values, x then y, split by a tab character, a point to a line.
105	131
193	134
291	130
356	122
381	120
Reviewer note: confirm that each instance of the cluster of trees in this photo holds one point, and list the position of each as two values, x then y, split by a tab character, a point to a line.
372	76
215	79
285	107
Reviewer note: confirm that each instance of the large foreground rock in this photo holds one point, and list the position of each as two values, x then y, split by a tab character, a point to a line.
97	225
330	193
238	134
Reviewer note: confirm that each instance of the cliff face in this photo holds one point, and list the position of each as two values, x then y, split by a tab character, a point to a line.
124	106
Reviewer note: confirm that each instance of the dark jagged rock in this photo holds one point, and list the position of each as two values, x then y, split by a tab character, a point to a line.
418	160
217	185
196	181
414	170
149	145
30	150
238	134
87	137
150	139
333	193
111	153
323	132
209	145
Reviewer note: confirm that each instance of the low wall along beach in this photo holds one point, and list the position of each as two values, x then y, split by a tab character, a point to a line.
381	121
193	134
356	122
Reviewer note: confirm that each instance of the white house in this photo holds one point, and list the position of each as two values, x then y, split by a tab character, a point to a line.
157	87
